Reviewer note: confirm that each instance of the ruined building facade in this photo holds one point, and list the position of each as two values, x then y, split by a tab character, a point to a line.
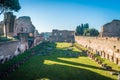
9	20
23	25
7	25
111	29
62	36
24	30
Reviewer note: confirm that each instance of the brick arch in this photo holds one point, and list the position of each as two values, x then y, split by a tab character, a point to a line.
116	61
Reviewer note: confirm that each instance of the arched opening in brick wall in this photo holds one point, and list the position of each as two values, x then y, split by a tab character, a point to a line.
111	58
103	54
107	56
116	60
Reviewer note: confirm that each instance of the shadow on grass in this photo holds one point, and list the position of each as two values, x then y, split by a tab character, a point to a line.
36	69
62	72
78	64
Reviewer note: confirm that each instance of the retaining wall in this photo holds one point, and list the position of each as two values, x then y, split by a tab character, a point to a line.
108	48
8	49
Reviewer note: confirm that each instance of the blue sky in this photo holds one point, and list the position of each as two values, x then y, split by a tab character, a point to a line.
67	14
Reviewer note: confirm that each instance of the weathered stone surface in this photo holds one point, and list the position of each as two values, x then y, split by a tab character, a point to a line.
9	20
23	25
111	29
104	46
62	36
8	49
24	29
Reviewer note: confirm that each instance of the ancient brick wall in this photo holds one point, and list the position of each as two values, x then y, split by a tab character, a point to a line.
107	47
111	29
8	49
23	25
62	36
9	20
11	49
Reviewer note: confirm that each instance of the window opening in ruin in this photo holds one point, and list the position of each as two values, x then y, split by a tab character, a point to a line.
21	29
55	34
60	34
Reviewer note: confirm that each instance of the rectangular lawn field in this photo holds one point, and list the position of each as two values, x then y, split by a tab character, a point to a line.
61	62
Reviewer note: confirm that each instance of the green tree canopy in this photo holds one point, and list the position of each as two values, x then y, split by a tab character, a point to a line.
9	5
84	30
81	28
93	32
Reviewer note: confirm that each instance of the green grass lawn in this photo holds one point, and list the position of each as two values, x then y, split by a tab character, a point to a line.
59	65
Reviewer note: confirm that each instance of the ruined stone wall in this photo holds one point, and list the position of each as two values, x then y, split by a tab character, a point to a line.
9	19
23	25
24	29
62	36
107	47
111	29
8	49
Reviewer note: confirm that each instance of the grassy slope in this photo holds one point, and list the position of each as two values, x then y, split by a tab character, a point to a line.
58	66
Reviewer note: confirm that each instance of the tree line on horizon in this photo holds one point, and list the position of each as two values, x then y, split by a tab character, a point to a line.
84	30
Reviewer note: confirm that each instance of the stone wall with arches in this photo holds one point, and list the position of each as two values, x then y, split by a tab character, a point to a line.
107	47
